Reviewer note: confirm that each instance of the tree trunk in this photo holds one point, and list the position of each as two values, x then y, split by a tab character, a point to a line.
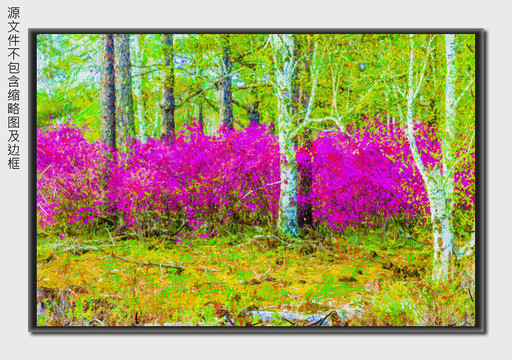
300	104
450	110
124	100
200	115
168	105
226	104
158	119
305	181
284	64
199	102
108	92
139	82
254	114
438	192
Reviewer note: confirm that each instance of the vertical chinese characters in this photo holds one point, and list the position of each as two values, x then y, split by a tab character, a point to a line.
13	93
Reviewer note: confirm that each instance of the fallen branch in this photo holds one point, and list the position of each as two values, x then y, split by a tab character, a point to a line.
471	296
88	323
178	268
81	248
289	321
319	322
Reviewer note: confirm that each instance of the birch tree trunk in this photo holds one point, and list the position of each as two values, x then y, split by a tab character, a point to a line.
108	92
139	83
168	105
124	99
226	103
283	60
450	110
437	180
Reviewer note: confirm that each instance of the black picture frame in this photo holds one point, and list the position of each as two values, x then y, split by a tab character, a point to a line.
480	197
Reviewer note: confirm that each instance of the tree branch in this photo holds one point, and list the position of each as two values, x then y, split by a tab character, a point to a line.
463	91
179	269
418	86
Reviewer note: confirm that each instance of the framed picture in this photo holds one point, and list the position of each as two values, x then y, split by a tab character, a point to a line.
257	181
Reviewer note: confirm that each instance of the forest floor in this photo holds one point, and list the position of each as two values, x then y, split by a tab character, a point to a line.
256	280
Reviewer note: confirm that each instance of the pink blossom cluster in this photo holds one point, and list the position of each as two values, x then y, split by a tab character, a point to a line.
363	177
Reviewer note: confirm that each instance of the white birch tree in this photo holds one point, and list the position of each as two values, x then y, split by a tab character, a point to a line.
287	124
439	181
282	46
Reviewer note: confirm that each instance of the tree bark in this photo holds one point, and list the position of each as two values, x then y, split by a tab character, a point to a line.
124	100
140	82
300	104
226	104
435	182
450	111
284	64
254	114
200	115
108	92
168	103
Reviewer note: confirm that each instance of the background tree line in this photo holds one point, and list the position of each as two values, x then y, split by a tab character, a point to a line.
230	77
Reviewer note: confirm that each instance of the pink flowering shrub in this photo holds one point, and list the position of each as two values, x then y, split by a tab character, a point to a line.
365	177
69	170
197	178
368	177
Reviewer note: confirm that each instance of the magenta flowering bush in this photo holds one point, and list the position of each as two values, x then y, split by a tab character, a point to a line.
69	173
368	177
197	178
364	177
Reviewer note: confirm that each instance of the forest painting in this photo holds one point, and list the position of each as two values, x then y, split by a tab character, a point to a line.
258	179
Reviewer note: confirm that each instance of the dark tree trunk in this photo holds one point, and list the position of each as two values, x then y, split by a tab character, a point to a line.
253	112
300	102
226	104
108	92
200	115
305	181
254	115
168	105
124	100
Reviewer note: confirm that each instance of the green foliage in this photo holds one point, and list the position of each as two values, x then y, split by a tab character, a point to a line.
67	88
360	75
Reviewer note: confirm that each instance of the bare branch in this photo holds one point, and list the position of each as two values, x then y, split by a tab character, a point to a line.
179	269
314	74
262	187
418	86
463	91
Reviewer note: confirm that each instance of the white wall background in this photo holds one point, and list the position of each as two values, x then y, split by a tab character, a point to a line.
491	15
